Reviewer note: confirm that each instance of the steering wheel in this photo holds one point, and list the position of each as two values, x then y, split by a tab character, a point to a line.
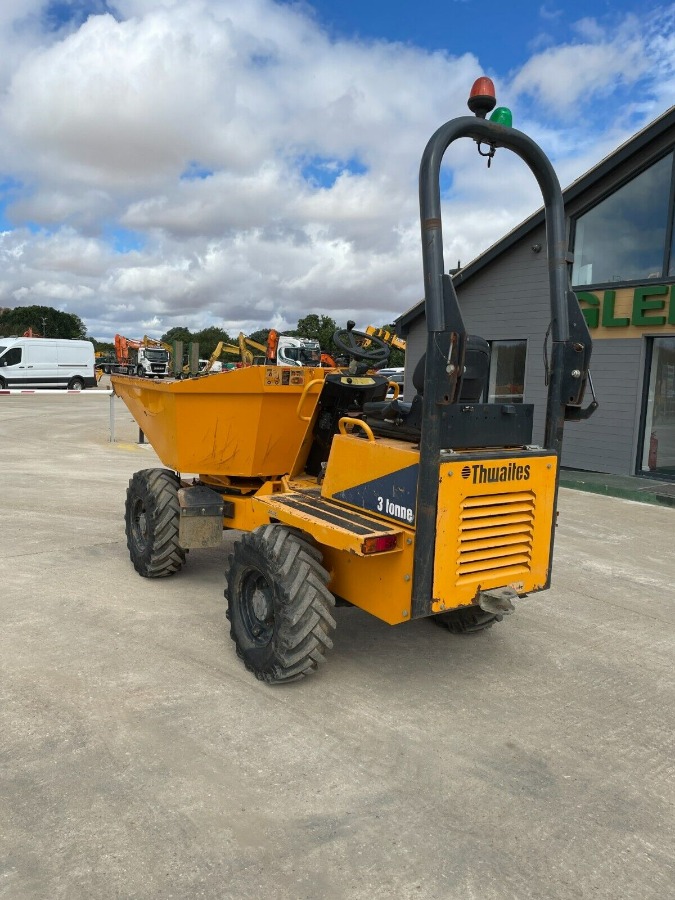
351	342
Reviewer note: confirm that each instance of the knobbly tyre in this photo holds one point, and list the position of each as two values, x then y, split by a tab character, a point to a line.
441	507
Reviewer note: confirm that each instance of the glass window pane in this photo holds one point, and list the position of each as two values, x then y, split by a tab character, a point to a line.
506	383
658	453
623	237
12	357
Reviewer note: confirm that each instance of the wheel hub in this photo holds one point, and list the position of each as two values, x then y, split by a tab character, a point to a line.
140	523
261	605
258	608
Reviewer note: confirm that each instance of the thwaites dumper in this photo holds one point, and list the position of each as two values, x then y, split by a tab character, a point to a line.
441	507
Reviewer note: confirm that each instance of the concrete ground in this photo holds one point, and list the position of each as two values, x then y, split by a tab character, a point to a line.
138	759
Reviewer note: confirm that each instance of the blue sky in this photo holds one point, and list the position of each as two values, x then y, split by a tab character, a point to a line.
199	162
503	34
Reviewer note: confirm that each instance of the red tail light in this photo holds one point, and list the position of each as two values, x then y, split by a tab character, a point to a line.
379	544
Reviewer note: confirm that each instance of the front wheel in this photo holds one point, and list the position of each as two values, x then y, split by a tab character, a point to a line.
3	384
152	515
278	604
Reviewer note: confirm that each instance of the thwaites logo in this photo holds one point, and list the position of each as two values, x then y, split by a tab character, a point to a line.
480	474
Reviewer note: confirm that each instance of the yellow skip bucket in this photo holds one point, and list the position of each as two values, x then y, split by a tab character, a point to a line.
248	423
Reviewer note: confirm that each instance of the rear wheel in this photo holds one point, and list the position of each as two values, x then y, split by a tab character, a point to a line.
152	515
75	384
466	620
278	604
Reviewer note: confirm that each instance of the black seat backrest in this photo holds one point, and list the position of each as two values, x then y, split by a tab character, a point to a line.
476	365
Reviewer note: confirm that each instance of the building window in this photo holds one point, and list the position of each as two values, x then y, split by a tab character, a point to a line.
506	380
658	450
624	237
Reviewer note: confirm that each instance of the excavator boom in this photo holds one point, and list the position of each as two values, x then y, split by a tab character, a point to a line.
386	336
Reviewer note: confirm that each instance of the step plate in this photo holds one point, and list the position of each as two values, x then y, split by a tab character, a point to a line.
329	523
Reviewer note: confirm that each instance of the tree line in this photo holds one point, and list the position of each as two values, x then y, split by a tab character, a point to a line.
44	321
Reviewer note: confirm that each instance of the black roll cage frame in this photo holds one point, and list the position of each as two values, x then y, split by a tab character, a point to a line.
571	344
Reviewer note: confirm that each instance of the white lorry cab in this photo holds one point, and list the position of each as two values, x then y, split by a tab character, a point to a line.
30	362
298	351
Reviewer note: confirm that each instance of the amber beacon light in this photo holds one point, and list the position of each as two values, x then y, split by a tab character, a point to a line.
482	98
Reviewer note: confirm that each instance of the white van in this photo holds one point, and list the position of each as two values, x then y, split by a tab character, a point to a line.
29	362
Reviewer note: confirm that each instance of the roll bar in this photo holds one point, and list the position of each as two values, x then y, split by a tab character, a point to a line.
446	339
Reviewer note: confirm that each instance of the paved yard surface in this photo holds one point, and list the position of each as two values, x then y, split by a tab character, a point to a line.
138	759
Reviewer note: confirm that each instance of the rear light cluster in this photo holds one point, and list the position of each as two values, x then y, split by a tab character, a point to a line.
379	544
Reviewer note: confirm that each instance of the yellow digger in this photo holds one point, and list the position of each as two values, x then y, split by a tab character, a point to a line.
441	507
244	349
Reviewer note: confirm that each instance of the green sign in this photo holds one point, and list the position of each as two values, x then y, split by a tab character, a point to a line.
647	306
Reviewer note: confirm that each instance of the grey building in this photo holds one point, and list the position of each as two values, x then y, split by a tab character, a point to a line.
622	238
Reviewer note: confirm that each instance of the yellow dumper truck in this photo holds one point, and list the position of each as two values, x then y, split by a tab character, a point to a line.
440	507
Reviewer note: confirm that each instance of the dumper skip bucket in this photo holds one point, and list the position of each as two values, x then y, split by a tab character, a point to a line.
248	423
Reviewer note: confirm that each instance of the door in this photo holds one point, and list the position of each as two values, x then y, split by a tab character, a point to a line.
658	446
42	365
12	366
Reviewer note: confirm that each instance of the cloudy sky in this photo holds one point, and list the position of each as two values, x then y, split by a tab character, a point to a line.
242	163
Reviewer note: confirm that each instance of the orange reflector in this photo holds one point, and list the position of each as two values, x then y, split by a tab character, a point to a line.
379	544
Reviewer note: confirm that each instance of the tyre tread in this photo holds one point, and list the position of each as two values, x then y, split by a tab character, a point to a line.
304	621
165	556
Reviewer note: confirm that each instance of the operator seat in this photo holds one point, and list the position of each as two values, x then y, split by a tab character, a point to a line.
406	417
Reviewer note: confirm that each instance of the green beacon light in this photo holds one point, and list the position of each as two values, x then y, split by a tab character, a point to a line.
502	116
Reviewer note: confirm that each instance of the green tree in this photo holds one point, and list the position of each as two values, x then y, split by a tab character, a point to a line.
44	321
209	338
177	333
260	335
320	327
103	346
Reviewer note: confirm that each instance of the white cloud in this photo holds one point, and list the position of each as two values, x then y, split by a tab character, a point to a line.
564	77
186	129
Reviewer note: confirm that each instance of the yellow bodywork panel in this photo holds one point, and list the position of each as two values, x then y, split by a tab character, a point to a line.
376	475
249	422
493	526
380	584
494	521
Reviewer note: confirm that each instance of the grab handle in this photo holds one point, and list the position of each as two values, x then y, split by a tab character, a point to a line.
304	395
356	423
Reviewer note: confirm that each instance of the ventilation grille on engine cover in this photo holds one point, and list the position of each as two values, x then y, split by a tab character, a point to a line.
495	533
